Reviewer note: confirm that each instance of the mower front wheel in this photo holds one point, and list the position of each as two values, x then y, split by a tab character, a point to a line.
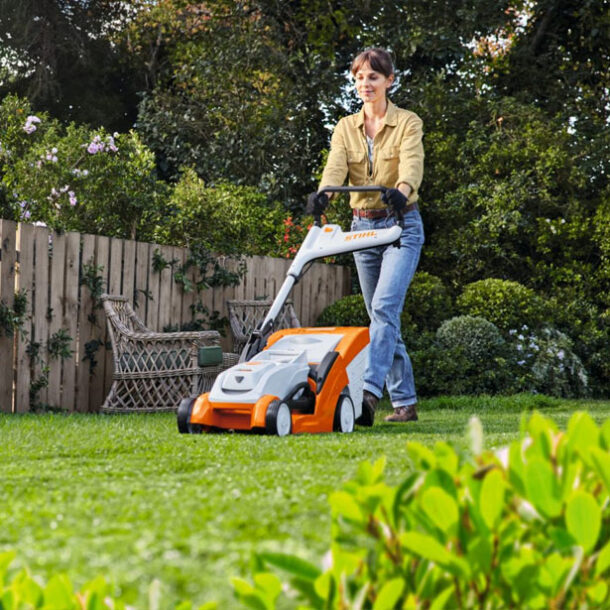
344	415
184	417
278	421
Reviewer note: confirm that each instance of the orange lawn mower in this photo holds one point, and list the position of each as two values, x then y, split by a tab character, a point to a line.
298	379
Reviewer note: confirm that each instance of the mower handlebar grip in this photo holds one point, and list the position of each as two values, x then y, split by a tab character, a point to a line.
353	189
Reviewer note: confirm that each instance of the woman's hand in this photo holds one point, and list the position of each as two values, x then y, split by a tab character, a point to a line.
395	199
316	203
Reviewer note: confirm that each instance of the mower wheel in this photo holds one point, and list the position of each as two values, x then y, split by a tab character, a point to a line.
184	417
278	420
344	415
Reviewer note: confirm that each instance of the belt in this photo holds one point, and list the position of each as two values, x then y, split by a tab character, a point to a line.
381	213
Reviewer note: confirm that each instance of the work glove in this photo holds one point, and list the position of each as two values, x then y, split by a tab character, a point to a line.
316	203
395	199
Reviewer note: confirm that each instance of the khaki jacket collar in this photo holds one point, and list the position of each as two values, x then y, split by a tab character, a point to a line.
389	119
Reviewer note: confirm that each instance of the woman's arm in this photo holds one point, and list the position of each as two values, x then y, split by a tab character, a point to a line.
411	161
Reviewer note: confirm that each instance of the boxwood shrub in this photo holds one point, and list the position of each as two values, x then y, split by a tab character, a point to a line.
509	305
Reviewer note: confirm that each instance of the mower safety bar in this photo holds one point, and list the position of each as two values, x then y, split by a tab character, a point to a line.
353	189
362	189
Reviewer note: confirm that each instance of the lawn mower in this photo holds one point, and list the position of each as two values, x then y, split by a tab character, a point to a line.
298	379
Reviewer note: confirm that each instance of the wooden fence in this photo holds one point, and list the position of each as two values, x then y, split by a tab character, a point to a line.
48	268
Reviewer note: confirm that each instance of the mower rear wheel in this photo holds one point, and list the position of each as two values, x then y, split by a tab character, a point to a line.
278	420
344	415
184	417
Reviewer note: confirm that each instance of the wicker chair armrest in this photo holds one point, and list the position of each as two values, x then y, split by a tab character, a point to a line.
203	336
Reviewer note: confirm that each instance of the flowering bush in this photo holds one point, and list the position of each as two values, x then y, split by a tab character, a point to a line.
75	178
546	362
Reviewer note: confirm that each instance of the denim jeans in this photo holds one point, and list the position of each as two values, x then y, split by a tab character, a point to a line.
385	273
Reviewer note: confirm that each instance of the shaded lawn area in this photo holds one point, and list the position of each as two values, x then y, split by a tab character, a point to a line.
129	498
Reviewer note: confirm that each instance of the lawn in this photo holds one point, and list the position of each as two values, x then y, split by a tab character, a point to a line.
131	499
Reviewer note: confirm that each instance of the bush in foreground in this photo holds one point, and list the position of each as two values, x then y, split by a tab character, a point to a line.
526	527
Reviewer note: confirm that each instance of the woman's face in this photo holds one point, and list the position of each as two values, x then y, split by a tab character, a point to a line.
370	85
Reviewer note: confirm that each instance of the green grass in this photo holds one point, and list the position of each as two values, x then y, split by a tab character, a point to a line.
129	498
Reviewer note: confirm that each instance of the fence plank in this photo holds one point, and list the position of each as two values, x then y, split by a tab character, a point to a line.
152	312
115	276
70	320
58	269
177	289
96	385
8	243
25	282
165	289
88	332
40	318
140	304
129	269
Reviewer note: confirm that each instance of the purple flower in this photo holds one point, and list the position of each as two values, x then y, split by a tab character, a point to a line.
72	196
26	215
30	124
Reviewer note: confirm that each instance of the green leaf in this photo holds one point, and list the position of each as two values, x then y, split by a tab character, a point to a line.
583	519
241	586
583	434
598	592
6	558
600	462
59	592
441	509
440	601
344	505
292	564
480	554
429	548
447	458
516	469
542	487
422	457
269	584
491	500
389	595
603	560
605	432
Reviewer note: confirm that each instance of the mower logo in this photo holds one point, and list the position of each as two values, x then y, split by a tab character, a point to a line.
349	237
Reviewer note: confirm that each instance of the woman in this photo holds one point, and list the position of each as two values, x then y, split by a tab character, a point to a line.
381	145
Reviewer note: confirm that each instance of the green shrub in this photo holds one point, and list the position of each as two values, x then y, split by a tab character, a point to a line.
427	304
467	355
509	305
228	218
478	339
526	527
347	311
20	591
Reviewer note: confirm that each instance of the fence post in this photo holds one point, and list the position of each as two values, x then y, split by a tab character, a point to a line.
8	253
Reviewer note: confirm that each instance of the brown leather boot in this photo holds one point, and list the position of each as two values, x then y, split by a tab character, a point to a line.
403	414
369	404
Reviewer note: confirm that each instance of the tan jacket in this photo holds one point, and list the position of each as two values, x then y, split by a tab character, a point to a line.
398	155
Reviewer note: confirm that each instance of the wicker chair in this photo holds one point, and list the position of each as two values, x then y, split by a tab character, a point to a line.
244	316
153	371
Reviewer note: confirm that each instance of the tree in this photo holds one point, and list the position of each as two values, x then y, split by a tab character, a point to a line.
247	92
62	56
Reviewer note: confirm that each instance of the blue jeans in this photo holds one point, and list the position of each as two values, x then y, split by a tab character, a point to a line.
385	273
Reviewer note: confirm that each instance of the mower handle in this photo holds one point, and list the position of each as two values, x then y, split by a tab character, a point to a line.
353	189
362	189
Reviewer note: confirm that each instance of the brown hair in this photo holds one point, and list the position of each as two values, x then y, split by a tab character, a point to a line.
379	60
